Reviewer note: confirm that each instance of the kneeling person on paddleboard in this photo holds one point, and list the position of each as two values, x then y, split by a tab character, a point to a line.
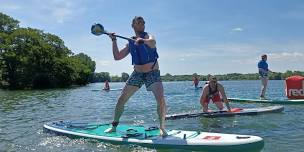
214	91
146	71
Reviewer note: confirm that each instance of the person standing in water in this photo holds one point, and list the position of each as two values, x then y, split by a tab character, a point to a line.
263	74
146	71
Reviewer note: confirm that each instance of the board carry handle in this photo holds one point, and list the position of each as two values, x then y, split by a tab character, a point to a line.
152	128
131	133
242	137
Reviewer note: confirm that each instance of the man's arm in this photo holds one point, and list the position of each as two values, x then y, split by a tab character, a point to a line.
203	97
224	97
149	40
269	70
118	55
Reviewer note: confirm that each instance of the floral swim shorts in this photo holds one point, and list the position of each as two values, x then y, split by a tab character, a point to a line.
138	79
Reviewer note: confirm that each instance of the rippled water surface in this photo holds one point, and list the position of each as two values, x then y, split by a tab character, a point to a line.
23	113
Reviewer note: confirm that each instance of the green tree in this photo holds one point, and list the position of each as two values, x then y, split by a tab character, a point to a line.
7	24
86	60
101	77
31	58
85	69
63	72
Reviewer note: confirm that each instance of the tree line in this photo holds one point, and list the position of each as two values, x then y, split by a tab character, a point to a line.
31	58
233	76
101	77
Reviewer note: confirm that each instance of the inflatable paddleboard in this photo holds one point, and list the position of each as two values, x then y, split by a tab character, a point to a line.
287	101
235	111
150	137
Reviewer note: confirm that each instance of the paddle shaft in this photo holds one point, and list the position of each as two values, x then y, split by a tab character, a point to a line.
129	39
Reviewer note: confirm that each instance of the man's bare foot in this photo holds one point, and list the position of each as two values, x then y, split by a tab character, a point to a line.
109	130
163	132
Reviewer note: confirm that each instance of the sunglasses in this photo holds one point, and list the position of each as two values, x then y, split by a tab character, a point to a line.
139	22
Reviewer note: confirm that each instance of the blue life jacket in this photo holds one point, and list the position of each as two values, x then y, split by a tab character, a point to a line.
142	53
263	65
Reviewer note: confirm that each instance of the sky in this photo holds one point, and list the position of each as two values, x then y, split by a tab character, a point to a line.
193	36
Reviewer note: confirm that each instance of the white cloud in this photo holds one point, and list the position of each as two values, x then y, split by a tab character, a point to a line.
230	52
286	56
245	61
9	7
63	10
238	29
104	62
49	12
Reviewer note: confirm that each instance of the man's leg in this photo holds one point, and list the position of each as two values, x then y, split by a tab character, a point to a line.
158	91
264	81
126	93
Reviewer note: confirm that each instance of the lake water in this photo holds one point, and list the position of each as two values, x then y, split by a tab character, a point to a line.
23	113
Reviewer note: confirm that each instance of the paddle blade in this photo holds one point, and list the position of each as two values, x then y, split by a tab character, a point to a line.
97	29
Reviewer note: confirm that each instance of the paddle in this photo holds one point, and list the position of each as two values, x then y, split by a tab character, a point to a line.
97	29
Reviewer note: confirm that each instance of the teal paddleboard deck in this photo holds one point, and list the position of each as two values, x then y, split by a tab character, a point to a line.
235	112
299	101
149	137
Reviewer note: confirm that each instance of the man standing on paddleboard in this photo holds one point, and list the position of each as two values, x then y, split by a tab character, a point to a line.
146	71
263	72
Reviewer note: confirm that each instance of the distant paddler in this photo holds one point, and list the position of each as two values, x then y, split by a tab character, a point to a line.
106	86
263	73
195	80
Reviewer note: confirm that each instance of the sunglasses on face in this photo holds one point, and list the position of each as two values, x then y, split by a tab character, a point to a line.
213	79
140	22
